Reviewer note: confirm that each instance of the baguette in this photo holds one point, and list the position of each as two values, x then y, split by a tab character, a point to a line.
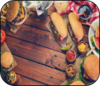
59	24
76	25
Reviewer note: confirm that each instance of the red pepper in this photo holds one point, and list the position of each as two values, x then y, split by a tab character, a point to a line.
77	40
72	82
60	38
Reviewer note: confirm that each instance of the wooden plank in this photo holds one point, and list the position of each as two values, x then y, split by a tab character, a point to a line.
39	72
52	9
37	22
27	81
40	37
36	36
37	53
86	29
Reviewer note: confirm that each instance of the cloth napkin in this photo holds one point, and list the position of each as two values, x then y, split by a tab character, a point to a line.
44	5
74	6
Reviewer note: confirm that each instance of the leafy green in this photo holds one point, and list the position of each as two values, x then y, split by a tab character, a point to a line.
54	30
81	75
5	69
72	80
90	54
0	54
12	64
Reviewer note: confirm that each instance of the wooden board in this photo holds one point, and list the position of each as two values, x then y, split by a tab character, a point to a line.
37	53
36	36
40	37
37	22
39	57
39	72
28	81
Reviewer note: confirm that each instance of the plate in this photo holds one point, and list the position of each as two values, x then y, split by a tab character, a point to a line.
91	33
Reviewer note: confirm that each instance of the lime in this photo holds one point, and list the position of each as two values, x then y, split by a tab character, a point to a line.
67	48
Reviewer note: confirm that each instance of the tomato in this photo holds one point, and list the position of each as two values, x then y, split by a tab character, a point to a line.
60	38
77	40
72	82
3	36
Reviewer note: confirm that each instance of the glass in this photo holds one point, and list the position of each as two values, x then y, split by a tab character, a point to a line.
61	5
44	14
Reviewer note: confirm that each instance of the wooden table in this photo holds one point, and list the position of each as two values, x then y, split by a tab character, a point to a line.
39	57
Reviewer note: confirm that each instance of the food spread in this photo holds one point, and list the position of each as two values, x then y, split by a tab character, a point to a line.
71	53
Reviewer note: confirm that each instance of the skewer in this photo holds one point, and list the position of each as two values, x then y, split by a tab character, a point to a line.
87	23
79	14
90	51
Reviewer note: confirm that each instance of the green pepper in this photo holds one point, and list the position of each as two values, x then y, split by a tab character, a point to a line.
10	77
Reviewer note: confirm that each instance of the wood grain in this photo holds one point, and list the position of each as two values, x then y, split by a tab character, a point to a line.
37	53
27	81
37	22
36	36
39	72
39	57
52	9
41	37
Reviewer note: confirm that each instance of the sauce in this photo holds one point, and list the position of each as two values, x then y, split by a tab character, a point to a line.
70	55
82	47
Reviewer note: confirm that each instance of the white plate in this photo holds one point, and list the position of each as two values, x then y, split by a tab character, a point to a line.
91	33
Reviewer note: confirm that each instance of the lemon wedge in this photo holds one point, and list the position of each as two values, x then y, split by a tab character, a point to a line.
64	4
63	7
